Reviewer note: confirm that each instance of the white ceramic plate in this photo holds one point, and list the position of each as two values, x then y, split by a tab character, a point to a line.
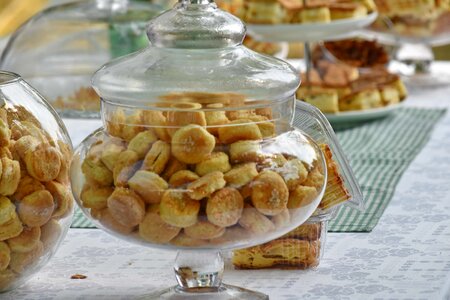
309	32
362	115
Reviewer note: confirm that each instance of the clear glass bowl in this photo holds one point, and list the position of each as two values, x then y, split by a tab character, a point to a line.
36	202
59	49
198	151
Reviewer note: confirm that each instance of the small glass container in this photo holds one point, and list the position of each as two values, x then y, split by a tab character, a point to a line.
59	49
36	201
198	151
302	248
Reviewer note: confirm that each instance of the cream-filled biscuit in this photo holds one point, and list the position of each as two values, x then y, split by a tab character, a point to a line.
153	229
315	179
192	144
36	209
241	175
301	196
148	185
132	126
246	151
186	114
10	176
293	172
269	193
63	198
126	207
125	166
26	241
282	219
97	172
115	122
266	127
24	144
206	185
50	234
239	130
43	163
254	221
157	122
224	207
215	117
177	209
157	158
216	161
107	219
173	166
95	197
182	177
110	154
22	261
10	229
204	230
142	142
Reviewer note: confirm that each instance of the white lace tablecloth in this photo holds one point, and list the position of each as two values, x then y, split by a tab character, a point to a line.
407	256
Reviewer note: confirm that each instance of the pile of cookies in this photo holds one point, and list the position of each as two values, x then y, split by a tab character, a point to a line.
295	12
35	193
196	173
302	248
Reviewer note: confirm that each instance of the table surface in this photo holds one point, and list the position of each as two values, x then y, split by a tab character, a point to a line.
407	256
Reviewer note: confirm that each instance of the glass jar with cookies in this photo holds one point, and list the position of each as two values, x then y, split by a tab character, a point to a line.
36	202
198	151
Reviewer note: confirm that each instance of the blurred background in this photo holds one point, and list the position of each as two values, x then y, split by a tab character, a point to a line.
14	13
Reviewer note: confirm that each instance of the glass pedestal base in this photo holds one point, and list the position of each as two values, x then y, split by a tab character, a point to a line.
224	292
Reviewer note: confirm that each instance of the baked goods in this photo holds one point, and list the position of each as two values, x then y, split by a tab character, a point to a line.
85	98
334	87
207	178
35	193
302	247
357	53
192	144
294	11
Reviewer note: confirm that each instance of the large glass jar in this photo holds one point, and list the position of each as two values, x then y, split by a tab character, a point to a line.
198	151
58	50
36	202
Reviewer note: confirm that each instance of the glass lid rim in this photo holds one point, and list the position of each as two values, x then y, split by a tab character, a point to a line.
7	77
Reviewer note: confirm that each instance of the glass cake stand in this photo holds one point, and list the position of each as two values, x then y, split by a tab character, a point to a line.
413	55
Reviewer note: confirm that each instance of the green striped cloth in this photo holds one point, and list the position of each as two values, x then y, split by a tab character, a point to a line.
379	152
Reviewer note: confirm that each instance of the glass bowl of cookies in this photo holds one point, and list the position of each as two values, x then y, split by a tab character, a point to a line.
36	201
197	151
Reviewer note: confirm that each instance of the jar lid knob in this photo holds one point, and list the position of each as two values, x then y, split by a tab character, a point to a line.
195	24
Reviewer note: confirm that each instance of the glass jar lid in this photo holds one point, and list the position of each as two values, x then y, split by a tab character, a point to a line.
195	48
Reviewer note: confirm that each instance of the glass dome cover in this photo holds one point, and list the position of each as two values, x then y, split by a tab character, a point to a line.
195	47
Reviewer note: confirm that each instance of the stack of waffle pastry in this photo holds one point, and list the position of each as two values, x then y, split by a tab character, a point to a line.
334	87
415	17
294	11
